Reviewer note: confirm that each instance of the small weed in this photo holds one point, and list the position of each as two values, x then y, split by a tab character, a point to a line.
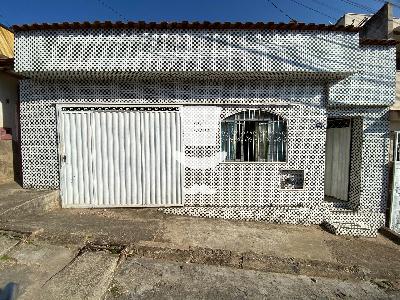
115	291
115	250
5	257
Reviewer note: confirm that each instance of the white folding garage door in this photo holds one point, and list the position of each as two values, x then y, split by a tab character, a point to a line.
113	158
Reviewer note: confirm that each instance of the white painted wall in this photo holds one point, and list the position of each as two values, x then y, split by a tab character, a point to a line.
8	102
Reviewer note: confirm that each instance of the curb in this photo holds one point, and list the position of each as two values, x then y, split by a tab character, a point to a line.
46	202
223	258
390	234
248	261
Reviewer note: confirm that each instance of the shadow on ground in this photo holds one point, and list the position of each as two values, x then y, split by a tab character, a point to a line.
148	233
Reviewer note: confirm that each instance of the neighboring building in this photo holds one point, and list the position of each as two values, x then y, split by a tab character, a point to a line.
9	148
7	42
137	115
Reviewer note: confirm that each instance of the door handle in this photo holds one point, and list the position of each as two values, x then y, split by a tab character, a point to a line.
63	158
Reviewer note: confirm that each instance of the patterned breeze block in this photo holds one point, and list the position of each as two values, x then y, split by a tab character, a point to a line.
214	74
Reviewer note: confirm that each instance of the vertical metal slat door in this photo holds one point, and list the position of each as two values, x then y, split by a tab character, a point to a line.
161	171
121	159
117	163
76	154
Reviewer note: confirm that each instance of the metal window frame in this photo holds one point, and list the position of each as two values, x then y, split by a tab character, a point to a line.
280	118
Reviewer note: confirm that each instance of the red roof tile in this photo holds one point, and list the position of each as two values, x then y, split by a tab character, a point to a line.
185	25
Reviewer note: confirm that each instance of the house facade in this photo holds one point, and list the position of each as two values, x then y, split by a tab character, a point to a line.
9	137
277	122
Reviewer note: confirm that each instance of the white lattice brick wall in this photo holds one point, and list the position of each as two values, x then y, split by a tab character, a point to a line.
59	53
373	84
38	120
186	50
293	76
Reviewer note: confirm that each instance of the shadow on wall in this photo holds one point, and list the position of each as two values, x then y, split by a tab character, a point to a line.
10	150
17	162
10	161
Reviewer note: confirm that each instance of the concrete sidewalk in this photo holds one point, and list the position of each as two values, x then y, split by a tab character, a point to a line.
247	245
46	271
148	233
15	200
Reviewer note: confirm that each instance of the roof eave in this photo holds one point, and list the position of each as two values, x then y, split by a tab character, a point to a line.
185	25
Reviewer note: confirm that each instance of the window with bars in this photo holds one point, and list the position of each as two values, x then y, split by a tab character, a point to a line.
254	135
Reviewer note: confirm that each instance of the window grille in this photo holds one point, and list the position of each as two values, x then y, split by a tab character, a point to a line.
254	135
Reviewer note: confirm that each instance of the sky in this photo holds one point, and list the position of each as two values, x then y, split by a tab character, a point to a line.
308	11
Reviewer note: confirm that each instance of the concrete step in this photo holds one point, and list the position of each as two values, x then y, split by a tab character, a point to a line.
352	228
86	277
355	223
29	203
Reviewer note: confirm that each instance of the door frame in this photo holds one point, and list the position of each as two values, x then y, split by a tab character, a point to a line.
350	120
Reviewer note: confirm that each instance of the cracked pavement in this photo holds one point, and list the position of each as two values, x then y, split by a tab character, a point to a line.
55	253
47	271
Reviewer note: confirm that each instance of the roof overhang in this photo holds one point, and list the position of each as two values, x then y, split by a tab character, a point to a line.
185	25
378	42
298	76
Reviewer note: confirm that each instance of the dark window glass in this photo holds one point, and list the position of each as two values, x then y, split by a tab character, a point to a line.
254	135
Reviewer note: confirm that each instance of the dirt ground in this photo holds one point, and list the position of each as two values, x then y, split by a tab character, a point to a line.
292	249
149	237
